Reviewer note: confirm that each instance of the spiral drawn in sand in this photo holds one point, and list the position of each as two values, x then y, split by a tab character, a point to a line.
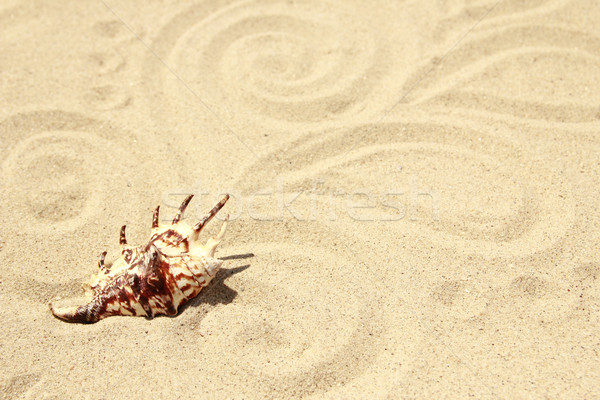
505	74
279	342
51	178
305	308
54	181
415	173
274	63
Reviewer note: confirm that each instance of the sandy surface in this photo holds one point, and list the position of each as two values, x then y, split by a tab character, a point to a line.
414	195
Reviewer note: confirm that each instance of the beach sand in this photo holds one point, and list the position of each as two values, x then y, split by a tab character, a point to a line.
414	195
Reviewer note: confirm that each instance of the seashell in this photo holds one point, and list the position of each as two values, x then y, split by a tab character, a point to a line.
153	279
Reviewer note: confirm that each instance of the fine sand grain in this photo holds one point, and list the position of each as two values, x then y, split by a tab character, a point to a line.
414	195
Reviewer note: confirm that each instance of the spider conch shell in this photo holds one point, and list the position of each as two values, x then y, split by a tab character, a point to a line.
153	279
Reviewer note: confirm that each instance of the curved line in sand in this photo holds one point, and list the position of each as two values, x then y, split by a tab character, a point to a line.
536	224
444	78
498	19
272	63
54	182
57	161
302	312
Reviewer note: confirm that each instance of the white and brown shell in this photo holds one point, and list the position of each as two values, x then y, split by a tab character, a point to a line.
153	279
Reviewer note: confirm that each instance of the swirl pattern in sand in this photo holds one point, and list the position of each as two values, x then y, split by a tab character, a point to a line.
504	209
53	182
48	178
504	78
428	226
303	308
276	63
